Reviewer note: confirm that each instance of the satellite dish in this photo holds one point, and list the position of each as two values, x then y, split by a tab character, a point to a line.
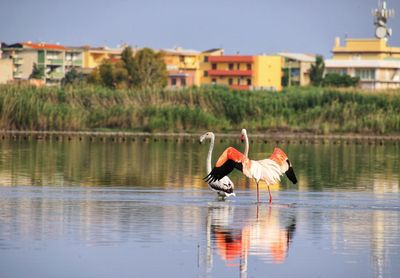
381	32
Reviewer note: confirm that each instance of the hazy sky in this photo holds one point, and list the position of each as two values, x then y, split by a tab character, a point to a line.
245	26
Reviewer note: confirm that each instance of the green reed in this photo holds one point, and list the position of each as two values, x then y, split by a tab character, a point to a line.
309	109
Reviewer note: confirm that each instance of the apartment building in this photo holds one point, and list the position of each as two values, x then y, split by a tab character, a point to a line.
49	57
182	66
243	72
74	58
94	56
296	68
372	60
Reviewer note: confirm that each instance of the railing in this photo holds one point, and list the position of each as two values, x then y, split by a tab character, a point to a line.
240	87
17	61
55	61
74	62
55	75
17	74
230	72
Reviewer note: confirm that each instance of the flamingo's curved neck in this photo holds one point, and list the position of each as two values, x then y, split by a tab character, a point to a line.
210	154
246	145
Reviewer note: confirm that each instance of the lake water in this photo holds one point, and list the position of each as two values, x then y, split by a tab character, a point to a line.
137	209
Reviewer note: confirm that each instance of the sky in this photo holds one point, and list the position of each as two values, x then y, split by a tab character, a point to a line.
239	26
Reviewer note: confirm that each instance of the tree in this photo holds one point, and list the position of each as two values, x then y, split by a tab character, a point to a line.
339	80
71	77
106	73
317	71
285	77
37	72
128	63
144	70
149	69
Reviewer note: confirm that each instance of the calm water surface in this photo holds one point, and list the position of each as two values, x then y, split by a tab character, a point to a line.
94	209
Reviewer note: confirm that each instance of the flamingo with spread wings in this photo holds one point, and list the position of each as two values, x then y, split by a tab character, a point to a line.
269	170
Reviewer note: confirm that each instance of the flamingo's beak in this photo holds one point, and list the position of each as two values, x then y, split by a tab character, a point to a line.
242	138
201	139
290	174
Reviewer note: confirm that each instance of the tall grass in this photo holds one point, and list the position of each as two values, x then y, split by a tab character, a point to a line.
318	110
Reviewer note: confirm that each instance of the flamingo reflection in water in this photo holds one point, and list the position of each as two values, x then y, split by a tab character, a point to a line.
267	235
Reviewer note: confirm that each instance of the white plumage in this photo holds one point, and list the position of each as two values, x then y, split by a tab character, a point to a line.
224	187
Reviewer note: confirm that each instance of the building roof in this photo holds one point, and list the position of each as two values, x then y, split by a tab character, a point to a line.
331	63
231	59
32	45
180	51
213	50
43	46
302	57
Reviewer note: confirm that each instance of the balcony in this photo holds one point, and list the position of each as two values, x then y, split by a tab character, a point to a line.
240	87
17	74
231	59
230	72
17	61
55	75
76	63
52	61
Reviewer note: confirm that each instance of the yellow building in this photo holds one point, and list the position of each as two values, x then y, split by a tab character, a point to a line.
182	66
93	57
372	60
243	72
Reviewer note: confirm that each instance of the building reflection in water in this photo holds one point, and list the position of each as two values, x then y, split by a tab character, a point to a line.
235	233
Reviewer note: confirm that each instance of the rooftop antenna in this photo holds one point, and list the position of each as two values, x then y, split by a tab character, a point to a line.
381	15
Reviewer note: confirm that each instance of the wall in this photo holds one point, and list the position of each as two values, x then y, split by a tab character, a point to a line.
268	72
6	70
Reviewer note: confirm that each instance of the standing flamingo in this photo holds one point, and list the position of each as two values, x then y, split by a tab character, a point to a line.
245	139
223	186
269	170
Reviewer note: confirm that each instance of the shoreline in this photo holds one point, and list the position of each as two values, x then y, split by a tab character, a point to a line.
146	136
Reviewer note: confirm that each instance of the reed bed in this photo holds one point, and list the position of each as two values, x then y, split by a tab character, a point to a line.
309	109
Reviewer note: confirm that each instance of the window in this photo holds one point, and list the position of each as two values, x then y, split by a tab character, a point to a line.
231	66
248	66
205	74
365	74
238	66
183	82
214	66
205	59
182	59
248	81
173	82
230	81
214	81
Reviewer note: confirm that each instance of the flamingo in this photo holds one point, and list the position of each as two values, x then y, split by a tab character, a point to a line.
223	186
245	139
269	170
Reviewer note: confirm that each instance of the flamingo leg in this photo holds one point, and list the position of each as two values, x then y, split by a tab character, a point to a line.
258	194
270	196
